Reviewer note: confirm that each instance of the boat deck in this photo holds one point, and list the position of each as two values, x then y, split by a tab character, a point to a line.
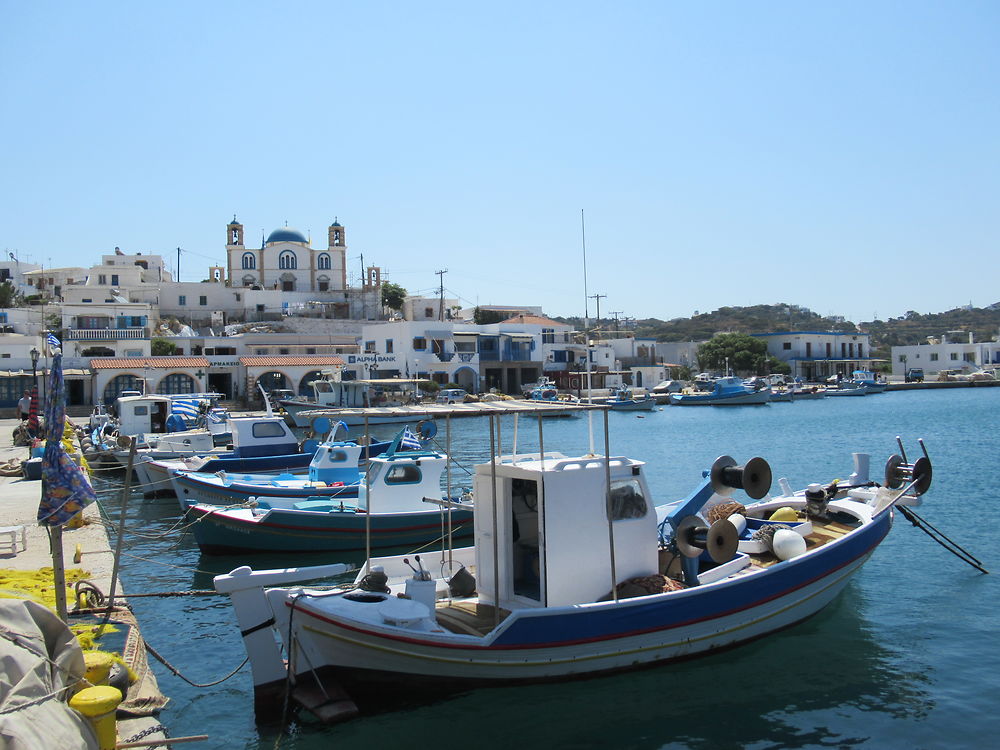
469	617
823	531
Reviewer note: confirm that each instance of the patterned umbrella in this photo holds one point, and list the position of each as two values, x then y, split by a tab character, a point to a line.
66	490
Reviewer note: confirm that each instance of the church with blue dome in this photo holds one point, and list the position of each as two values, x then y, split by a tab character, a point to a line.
286	261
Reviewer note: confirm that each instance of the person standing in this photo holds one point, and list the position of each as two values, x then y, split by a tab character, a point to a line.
24	406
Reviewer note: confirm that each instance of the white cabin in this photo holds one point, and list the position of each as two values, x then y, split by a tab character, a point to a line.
399	482
553	546
138	415
262	436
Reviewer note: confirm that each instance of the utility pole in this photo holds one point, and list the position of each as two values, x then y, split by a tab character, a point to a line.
441	303
178	265
598	297
615	314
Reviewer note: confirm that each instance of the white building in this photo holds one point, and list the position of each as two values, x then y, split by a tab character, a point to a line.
954	350
817	355
13	270
286	261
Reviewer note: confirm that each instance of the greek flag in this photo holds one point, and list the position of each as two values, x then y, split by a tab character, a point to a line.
409	440
185	407
52	341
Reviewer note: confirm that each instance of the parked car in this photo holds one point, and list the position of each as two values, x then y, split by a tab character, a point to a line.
451	396
914	375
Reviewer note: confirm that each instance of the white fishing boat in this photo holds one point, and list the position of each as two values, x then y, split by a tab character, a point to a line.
333	392
574	571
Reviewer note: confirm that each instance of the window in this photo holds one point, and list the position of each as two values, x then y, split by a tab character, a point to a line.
268	430
114	279
970	357
419	344
787	345
260	308
323	286
627	500
934	357
850	351
87	299
102	279
860	352
5	355
249	261
140	411
323	262
403	474
428	312
288	260
809	349
310	350
182	300
954	355
388	346
203	300
283	350
369	347
133	352
548	336
902	357
843	351
260	351
829	349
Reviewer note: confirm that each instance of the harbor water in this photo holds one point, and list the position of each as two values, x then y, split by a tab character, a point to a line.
906	657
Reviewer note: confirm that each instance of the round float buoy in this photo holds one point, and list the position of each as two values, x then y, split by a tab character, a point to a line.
784	515
787	544
738	521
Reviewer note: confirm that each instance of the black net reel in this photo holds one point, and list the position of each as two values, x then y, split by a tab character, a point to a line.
754	477
898	473
720	539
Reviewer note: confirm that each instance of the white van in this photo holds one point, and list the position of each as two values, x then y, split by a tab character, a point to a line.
451	396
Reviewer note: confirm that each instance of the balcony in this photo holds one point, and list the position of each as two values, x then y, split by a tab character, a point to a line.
106	334
445	356
466	356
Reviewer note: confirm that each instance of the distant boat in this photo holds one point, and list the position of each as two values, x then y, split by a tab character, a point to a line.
331	392
869	381
847	388
728	391
622	399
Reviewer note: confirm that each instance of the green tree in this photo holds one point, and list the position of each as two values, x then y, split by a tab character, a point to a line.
484	317
162	347
9	296
743	353
393	295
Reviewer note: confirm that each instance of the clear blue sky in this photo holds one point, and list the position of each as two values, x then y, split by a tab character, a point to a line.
838	155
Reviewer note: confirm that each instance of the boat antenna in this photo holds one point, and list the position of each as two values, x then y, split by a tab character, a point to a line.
267	401
586	329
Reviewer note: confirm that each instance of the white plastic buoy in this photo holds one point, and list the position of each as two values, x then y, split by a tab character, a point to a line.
787	544
738	521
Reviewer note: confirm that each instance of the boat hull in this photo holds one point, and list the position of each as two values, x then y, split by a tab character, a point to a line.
192	489
710	399
283	530
534	645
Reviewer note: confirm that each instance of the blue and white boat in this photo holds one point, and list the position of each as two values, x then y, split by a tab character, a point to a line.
869	381
333	472
847	388
728	391
623	399
573	572
393	506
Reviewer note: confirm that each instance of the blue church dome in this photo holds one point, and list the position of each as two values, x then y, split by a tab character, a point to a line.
286	234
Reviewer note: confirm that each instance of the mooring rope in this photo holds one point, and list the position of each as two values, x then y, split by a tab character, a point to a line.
939	537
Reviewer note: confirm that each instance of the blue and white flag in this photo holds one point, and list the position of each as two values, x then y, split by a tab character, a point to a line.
410	441
52	341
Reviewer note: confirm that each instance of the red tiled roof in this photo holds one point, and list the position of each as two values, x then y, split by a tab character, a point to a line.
130	363
288	360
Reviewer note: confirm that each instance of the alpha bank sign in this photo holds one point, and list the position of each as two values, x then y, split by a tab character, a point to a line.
370	359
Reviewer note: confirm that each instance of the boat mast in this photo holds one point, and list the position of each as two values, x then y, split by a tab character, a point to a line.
586	329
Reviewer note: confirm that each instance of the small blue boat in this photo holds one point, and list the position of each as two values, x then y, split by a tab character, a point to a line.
729	391
622	399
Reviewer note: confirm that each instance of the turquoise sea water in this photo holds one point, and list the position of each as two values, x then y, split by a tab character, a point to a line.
908	656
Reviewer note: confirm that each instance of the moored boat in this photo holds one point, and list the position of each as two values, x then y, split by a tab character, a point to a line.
728	391
623	399
573	572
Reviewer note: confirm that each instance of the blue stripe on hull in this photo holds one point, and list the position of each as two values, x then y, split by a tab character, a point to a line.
594	624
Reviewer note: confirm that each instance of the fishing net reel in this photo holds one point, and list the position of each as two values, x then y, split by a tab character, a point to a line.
721	539
918	475
754	477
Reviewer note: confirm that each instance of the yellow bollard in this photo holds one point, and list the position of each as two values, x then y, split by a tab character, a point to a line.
98	665
78	554
98	704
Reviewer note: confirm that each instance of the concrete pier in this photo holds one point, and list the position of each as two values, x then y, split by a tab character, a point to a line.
19	499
